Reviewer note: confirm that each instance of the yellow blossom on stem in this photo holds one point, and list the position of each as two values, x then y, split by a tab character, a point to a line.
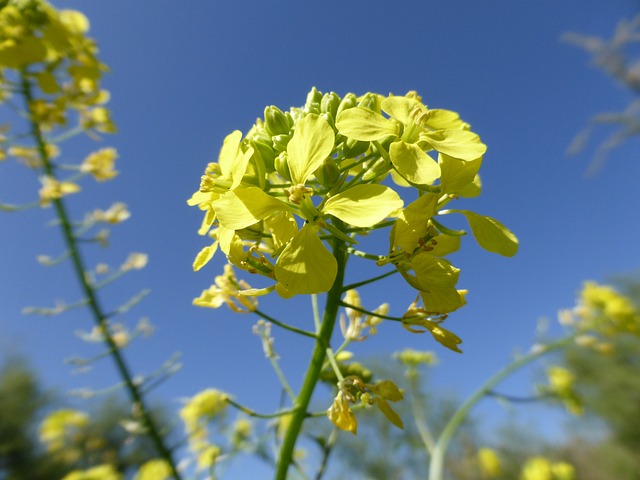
100	164
53	189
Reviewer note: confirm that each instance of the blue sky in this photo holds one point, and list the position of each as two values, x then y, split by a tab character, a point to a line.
182	78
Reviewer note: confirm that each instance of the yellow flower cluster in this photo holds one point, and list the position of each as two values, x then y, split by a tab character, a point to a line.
603	311
540	468
47	57
351	390
562	385
330	171
196	414
59	426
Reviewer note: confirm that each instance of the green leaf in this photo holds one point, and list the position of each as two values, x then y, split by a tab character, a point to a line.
311	144
363	205
360	123
413	164
490	233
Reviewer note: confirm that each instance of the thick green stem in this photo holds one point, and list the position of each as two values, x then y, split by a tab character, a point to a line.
315	365
437	459
99	316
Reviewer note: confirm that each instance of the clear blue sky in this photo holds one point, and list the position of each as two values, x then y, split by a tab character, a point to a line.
184	76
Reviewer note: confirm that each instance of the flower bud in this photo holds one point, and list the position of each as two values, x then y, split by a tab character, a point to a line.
282	167
280	142
353	148
381	167
275	121
312	105
328	173
330	103
348	101
370	101
266	153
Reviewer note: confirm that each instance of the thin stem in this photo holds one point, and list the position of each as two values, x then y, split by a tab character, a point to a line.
315	365
99	316
421	422
284	325
283	380
370	280
367	312
437	459
253	413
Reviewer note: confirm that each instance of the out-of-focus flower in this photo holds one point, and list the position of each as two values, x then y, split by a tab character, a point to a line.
154	470
489	462
53	189
100	164
58	426
100	472
116	213
135	261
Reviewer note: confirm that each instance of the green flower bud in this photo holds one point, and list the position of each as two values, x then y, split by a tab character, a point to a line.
379	168
370	101
330	103
353	148
328	173
264	150
282	167
348	101
275	121
312	105
280	142
329	118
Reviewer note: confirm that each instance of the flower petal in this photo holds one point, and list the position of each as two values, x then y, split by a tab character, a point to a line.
413	164
305	265
363	205
460	144
311	144
360	123
413	223
242	207
457	174
490	233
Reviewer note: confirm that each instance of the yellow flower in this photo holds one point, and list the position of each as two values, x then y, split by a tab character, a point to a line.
562	384
537	468
490	465
203	407
226	290
100	164
53	189
100	472
154	470
135	261
118	212
58	425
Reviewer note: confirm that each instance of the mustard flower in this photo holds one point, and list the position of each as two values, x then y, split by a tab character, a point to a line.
59	425
53	189
100	164
155	469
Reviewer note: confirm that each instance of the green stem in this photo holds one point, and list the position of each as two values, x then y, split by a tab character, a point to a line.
437	460
99	316
315	365
421	422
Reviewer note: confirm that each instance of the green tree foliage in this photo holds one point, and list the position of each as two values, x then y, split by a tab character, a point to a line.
23	405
